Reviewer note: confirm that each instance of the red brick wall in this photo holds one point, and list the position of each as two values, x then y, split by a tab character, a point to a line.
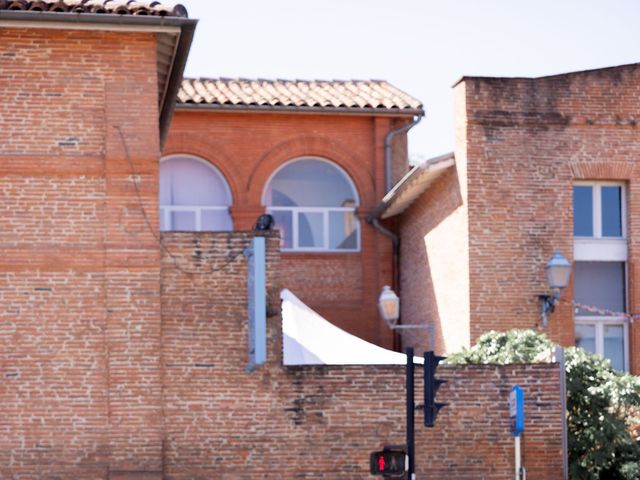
79	268
248	147
433	267
318	422
527	141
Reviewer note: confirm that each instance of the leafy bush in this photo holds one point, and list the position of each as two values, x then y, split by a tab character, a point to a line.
603	405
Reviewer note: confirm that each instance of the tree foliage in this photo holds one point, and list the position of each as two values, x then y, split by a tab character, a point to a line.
603	405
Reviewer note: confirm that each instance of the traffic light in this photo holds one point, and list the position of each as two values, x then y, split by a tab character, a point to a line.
431	385
390	463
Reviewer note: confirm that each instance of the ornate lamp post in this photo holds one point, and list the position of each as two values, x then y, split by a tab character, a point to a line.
558	270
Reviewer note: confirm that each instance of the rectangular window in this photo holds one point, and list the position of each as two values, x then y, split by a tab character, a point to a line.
599	270
598	210
605	336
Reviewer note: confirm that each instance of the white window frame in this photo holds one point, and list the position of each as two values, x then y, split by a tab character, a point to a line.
296	211
598	248
599	323
198	210
604	249
167	210
295	241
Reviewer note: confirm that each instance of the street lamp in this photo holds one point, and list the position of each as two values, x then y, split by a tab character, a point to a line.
558	270
389	306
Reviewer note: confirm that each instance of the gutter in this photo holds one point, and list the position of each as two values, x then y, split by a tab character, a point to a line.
296	109
387	147
183	27
84	20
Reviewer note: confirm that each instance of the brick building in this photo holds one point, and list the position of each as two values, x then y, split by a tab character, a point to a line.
315	155
123	343
540	164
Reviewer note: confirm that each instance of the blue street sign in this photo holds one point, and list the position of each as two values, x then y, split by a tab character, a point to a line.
516	410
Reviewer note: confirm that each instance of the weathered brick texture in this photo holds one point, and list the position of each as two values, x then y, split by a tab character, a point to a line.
318	422
520	146
79	267
528	140
123	358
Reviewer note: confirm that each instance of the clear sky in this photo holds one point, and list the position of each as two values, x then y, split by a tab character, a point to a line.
420	46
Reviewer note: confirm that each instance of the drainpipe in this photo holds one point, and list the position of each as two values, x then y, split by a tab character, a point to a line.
373	219
387	148
395	240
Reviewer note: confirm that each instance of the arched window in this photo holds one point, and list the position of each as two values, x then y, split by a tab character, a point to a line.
194	196
313	203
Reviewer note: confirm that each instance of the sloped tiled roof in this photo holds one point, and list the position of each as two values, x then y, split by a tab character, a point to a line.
118	7
370	95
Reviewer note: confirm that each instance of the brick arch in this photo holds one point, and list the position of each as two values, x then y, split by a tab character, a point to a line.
311	146
602	170
210	151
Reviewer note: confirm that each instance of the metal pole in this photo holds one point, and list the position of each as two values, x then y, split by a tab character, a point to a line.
563	401
518	463
410	413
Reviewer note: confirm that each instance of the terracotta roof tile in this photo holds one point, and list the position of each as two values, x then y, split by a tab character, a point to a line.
118	7
269	94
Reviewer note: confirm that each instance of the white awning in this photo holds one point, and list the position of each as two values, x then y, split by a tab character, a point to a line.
309	339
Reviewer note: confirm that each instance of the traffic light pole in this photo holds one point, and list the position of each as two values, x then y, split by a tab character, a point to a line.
410	416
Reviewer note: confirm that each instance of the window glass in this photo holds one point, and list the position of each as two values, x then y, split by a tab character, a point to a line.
187	181
311	231
583	211
599	284
343	232
309	183
313	203
614	345
283	221
183	221
611	211
193	196
213	220
586	337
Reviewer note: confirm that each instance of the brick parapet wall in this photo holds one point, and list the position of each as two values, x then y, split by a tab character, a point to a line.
317	422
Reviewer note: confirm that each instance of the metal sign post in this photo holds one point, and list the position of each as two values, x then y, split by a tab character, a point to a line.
410	416
257	295
516	413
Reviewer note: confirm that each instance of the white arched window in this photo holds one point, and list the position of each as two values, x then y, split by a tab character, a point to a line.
313	203
194	196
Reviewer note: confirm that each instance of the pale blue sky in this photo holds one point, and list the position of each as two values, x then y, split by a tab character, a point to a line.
420	46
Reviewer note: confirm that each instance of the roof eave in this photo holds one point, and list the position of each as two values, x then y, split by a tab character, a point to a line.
93	18
434	165
175	78
301	110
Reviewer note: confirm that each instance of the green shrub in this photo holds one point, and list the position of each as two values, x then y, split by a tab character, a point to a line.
603	405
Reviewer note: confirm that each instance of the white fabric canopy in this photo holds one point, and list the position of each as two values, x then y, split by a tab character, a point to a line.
309	339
